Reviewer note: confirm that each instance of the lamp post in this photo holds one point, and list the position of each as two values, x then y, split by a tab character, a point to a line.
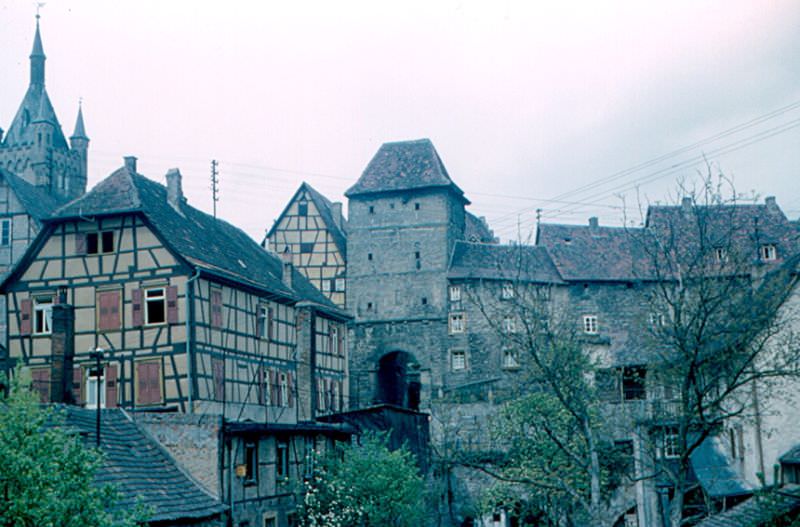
97	355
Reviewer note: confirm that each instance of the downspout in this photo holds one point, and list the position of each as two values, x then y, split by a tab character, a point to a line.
190	339
759	439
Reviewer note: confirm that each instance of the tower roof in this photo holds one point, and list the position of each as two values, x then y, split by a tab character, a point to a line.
80	131
404	165
38	49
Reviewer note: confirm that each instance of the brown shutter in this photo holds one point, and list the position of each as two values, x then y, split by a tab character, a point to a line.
77	384
80	243
218	371
340	342
111	386
41	383
273	400
269	323
136	302
216	308
261	385
289	397
108	307
25	315
172	304
148	383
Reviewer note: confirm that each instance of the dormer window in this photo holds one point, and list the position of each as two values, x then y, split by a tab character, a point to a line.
768	252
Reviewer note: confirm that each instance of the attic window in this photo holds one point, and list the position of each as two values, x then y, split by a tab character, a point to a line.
99	242
371	209
416	206
567	240
242	264
769	252
302	208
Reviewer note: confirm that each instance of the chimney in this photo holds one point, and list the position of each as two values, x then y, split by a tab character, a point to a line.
286	258
772	206
593	222
174	188
62	352
130	164
336	210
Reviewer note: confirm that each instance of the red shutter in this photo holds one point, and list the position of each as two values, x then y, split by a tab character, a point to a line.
25	313
172	304
136	302
80	243
289	397
218	367
41	383
216	308
111	386
148	383
77	384
108	306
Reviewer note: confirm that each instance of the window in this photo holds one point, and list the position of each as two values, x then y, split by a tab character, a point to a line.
251	463
458	360
307	248
508	291
155	306
455	293
283	389
633	383
108	310
424	300
457	323
590	324
281	461
270	522
95	380
369	257
371	209
302	208
510	359
671	446
769	252
339	284
266	324
657	320
42	315
416	206
216	308
720	255
417	260
509	324
100	242
5	232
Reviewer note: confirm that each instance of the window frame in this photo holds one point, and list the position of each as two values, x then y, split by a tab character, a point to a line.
507	291
454	293
281	461
42	307
768	252
462	361
591	325
509	324
100	242
670	447
251	463
457	323
514	356
91	391
5	232
302	208
147	299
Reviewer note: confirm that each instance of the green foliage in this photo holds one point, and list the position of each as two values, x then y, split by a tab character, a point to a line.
365	485
46	472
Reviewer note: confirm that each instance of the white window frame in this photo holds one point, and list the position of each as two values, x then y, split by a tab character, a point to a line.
283	382
5	232
769	252
339	285
507	291
264	322
457	322
42	315
510	359
458	360
670	448
454	293
509	324
147	299
590	325
720	255
91	382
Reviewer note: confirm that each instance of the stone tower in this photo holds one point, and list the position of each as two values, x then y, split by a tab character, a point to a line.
405	216
35	147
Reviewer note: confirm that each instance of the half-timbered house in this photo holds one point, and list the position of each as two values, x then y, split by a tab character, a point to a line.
188	314
311	231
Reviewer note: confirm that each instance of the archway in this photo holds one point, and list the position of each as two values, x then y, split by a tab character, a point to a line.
399	380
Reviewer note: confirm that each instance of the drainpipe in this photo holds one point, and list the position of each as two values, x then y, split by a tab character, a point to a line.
759	439
190	339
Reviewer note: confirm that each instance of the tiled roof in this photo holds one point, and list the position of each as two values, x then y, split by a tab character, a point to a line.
758	511
404	165
502	262
583	252
715	470
476	230
208	243
140	469
38	203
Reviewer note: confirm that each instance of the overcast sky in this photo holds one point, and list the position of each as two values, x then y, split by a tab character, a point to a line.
526	102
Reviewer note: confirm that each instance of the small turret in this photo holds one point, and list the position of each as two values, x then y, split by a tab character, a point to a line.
37	58
79	142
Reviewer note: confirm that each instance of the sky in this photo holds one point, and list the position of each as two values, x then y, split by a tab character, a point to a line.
574	109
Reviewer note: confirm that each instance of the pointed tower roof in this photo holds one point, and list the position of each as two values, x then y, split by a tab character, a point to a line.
38	49
80	131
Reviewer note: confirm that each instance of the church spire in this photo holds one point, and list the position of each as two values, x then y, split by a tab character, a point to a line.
37	58
80	131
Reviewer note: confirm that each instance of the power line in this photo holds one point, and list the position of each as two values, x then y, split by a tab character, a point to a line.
214	185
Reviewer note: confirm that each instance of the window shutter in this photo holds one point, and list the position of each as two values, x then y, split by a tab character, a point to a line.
80	243
273	385
41	383
289	388
259	322
269	323
136	302
111	386
340	342
77	384
261	385
148	383
341	396
320	395
172	304
108	306
25	312
218	372
216	308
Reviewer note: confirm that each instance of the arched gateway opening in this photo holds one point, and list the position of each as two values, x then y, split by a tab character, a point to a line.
399	380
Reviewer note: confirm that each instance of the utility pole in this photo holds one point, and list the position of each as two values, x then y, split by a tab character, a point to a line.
214	184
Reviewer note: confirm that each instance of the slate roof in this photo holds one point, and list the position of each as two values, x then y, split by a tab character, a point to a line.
205	242
38	203
583	252
140	469
404	165
502	262
792	456
714	470
35	108
476	230
758	511
325	208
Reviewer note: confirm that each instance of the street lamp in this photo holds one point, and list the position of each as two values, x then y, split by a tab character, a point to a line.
97	355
